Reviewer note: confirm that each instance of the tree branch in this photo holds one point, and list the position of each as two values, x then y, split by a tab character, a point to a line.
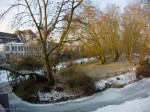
2	15
38	28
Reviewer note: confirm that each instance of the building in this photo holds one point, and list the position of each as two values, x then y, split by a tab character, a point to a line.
7	37
18	50
19	44
25	35
24	45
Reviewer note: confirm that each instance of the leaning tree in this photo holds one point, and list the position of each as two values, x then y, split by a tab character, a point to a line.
51	19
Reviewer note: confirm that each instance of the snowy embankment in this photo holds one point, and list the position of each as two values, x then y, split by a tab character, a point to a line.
120	80
138	105
117	81
3	76
54	96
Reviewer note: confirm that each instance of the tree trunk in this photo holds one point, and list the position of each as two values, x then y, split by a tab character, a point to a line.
116	56
102	59
143	51
48	67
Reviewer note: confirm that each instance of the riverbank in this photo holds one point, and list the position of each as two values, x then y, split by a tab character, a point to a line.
41	93
115	98
112	99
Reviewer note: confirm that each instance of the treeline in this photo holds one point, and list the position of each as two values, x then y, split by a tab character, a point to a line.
112	31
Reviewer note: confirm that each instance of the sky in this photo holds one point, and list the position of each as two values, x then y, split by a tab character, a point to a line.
5	23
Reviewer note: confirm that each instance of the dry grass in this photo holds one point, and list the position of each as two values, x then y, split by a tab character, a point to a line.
104	71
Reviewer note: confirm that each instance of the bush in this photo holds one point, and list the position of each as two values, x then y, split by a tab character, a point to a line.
29	61
143	70
145	63
78	80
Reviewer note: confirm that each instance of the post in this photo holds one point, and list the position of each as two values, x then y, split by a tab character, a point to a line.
4	101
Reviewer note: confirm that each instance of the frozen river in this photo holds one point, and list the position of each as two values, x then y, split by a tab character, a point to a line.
99	102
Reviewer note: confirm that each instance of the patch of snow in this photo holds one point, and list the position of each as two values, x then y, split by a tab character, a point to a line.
83	60
18	100
3	76
41	71
122	79
138	105
53	95
137	55
147	57
77	61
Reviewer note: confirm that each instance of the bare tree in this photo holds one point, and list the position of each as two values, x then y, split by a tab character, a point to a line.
52	19
135	30
144	14
131	30
108	27
99	31
90	34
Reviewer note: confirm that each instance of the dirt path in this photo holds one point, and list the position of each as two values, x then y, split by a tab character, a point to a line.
104	71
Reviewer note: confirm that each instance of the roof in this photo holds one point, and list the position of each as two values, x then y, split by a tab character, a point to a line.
7	37
22	34
15	43
28	32
25	32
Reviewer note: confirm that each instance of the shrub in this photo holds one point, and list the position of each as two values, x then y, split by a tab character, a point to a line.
143	70
78	80
29	61
145	63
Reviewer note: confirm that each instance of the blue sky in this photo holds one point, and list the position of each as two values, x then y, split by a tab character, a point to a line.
4	4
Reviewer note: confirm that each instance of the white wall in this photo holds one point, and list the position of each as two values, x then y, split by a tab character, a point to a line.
19	53
1	47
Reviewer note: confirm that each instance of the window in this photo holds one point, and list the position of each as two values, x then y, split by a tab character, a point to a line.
7	56
35	48
20	48
13	48
7	48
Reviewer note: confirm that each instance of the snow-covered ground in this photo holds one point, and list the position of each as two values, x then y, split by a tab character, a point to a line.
53	95
138	55
132	98
3	76
122	79
78	61
137	105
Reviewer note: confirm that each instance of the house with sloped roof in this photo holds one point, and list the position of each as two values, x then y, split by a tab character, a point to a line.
16	45
22	45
